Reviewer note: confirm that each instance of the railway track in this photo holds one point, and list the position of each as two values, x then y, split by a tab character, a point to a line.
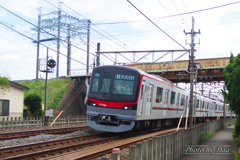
84	147
28	133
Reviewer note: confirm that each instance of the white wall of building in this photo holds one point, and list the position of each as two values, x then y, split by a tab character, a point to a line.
15	97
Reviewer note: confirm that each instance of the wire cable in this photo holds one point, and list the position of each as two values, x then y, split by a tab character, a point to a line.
156	25
92	24
40	43
40	28
170	14
179	13
201	10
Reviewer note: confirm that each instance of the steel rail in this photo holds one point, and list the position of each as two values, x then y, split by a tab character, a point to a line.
28	133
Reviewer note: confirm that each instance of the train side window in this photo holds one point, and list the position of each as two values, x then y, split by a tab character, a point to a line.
200	104
166	96
203	104
178	97
207	105
142	92
182	100
197	106
215	107
172	98
186	102
159	95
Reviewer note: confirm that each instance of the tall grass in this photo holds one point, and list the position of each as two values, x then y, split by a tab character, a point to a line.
56	90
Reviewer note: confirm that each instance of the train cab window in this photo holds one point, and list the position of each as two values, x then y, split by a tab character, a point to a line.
178	97
95	82
159	95
197	106
182	100
105	86
123	84
172	101
203	104
166	96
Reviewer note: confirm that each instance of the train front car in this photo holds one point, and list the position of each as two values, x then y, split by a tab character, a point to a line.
112	98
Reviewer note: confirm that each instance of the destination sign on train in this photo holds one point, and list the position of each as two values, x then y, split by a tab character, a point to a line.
126	77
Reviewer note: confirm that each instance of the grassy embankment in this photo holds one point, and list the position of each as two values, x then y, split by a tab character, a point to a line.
56	90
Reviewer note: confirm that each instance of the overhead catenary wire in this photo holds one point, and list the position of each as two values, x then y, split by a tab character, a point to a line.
201	10
156	25
188	11
179	13
92	24
169	14
40	28
40	43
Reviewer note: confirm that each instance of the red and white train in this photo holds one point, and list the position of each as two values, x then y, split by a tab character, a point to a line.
122	99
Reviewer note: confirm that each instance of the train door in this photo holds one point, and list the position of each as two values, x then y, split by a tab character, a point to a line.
165	104
149	100
141	99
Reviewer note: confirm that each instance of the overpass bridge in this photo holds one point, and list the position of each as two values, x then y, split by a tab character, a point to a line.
209	69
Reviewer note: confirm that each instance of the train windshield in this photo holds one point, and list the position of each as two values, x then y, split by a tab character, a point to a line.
114	84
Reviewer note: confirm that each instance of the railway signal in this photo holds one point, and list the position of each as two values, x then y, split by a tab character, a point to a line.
51	63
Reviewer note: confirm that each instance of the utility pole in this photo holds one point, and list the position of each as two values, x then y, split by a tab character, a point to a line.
56	26
97	54
38	43
192	67
46	83
58	37
88	45
69	52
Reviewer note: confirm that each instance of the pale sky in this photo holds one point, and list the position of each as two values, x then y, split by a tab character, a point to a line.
118	26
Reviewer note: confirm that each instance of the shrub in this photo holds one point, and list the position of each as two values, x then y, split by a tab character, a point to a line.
33	103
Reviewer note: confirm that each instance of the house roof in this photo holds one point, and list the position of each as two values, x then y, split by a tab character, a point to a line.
18	85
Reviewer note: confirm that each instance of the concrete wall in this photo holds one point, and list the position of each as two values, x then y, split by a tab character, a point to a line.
15	97
75	94
171	146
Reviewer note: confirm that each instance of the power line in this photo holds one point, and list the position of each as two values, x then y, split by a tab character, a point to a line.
40	43
96	26
179	12
40	28
156	25
188	11
201	10
170	14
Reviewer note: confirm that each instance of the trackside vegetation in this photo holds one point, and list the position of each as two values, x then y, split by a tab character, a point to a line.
56	90
231	77
4	83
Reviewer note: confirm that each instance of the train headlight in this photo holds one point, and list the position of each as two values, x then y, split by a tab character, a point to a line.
91	103
130	107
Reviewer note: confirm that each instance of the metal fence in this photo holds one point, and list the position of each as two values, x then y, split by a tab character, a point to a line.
28	122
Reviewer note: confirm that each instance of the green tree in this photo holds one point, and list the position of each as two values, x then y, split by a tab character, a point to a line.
231	75
4	83
33	103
